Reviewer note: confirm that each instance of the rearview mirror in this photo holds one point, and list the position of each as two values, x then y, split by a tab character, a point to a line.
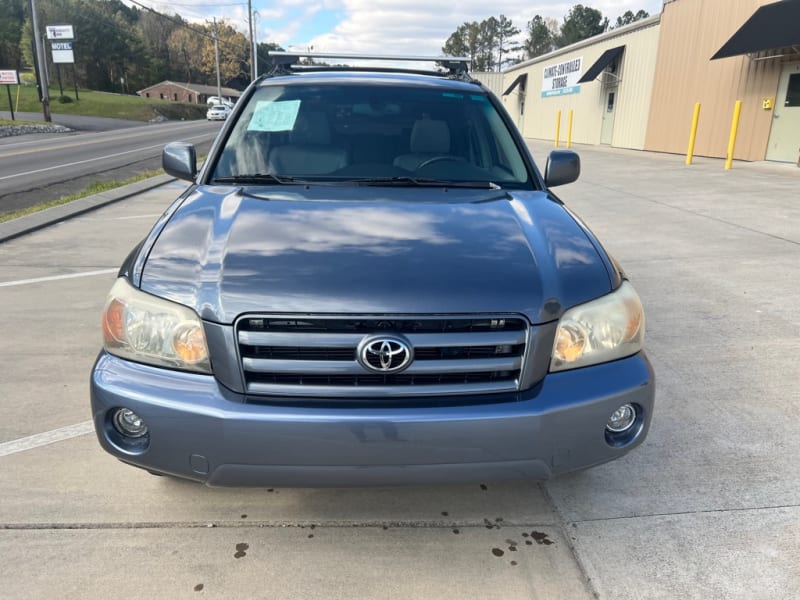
179	159
563	166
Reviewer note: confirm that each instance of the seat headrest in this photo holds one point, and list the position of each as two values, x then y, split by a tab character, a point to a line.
430	136
311	128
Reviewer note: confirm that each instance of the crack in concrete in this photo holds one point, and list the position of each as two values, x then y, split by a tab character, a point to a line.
253	524
563	527
687	512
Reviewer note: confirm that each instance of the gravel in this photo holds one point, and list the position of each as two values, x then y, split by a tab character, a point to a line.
11	130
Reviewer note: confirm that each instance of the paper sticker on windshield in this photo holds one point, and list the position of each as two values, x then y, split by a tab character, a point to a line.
274	116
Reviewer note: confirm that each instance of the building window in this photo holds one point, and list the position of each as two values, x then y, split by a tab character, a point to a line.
793	91
190	98
161	96
175	96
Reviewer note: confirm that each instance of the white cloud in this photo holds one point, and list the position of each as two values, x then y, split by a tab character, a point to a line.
422	27
386	26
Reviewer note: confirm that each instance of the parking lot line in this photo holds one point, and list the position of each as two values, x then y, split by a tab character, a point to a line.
57	277
43	439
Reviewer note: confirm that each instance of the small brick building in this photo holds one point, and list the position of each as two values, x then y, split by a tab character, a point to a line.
191	93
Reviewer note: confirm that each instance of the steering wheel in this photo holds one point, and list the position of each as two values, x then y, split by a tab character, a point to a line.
437	159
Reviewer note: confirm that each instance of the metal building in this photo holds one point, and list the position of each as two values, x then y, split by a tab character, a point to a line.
606	81
636	86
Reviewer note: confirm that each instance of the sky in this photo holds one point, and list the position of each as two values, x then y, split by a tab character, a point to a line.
418	27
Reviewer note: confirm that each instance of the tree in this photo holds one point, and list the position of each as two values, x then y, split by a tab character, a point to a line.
234	54
628	17
505	34
122	48
488	33
265	62
12	18
581	22
26	44
478	41
155	30
464	42
186	54
109	54
541	37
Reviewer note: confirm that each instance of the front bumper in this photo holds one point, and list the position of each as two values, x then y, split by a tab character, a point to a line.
201	431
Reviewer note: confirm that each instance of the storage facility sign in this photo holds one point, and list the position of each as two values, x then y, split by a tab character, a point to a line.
60	32
62	53
562	78
9	78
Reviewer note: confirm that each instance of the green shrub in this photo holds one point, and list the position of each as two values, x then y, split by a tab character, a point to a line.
65	99
178	111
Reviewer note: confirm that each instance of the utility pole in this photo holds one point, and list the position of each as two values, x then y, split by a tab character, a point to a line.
252	42
255	46
40	63
216	58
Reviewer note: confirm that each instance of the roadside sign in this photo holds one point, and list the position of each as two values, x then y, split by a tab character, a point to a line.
9	78
60	32
62	52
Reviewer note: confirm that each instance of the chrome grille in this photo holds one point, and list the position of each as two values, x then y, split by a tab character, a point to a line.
316	356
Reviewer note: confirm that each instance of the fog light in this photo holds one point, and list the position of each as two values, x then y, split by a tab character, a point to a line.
129	423
622	419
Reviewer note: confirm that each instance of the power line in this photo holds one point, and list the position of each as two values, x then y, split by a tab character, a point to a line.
214	5
178	22
181	23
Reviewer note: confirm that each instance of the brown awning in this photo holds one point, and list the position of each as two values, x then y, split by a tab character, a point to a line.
520	81
606	58
771	27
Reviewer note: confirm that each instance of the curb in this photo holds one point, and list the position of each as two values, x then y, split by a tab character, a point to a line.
56	214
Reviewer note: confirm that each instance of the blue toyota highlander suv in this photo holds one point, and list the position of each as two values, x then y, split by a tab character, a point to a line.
369	282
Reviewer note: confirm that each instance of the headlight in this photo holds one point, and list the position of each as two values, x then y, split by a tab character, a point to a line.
151	330
605	329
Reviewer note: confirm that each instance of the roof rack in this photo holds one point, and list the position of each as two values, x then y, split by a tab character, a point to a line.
288	62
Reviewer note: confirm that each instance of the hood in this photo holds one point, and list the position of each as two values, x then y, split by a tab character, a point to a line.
372	250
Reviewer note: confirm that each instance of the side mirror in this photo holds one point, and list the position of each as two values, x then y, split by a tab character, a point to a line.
179	159
563	166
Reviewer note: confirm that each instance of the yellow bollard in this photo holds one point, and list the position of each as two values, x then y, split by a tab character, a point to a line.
693	134
734	128
569	130
558	127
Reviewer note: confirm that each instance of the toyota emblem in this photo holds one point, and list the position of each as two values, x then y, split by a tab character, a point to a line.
385	354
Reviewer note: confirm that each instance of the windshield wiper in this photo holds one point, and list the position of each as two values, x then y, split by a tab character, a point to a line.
407	181
257	178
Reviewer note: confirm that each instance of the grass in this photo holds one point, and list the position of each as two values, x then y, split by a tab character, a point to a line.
94	188
10	123
105	104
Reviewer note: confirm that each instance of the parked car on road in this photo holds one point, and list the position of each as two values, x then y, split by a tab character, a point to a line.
214	100
218	112
370	282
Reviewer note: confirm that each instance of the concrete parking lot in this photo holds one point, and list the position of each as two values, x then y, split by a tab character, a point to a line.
708	507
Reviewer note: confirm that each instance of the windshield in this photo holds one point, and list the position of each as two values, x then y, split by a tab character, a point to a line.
370	134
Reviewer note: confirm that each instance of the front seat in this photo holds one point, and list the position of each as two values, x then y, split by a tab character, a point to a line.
309	151
429	138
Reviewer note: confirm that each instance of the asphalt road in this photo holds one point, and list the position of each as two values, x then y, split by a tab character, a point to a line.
79	123
34	170
707	508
